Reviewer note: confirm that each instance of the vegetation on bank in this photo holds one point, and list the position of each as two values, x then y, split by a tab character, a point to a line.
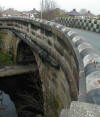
6	59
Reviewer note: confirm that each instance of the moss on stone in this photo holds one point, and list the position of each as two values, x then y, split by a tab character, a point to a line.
39	115
6	59
60	104
54	105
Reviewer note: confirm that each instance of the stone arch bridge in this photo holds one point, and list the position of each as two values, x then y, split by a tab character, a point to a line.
66	65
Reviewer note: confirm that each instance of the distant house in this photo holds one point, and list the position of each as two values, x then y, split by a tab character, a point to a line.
31	13
98	16
73	13
24	14
10	12
88	15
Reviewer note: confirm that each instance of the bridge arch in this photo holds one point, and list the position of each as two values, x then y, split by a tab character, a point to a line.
27	88
24	54
57	62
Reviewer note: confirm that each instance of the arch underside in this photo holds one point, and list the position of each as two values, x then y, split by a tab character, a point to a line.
24	54
25	90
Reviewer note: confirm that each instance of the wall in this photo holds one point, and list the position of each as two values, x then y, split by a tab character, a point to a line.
91	62
90	57
8	43
86	24
55	89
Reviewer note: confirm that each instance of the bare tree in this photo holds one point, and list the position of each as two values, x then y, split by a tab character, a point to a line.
2	9
49	9
49	5
83	11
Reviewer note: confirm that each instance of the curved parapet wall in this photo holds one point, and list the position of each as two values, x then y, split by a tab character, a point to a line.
86	24
73	65
91	62
91	59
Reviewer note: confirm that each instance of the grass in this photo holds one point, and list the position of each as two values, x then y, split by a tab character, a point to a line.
6	59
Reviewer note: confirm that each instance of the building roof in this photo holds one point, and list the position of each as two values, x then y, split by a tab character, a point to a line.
11	12
73	13
88	14
98	16
33	11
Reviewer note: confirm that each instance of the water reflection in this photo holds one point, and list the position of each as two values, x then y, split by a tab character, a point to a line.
7	107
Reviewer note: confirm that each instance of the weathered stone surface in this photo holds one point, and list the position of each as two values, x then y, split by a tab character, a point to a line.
80	109
87	24
17	70
55	89
64	113
8	42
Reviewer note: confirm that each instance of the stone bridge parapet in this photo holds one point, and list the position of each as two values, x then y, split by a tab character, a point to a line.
74	61
86	24
90	58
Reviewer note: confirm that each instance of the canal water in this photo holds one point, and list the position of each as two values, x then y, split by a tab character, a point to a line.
21	95
7	107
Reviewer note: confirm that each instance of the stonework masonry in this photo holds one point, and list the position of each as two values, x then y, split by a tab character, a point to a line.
86	24
77	59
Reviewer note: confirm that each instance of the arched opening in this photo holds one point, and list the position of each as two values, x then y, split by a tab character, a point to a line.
25	90
24	54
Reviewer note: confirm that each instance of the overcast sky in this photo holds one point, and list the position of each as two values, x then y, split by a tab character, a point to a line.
93	5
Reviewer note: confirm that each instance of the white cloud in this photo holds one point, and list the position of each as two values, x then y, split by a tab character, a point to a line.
93	5
21	4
